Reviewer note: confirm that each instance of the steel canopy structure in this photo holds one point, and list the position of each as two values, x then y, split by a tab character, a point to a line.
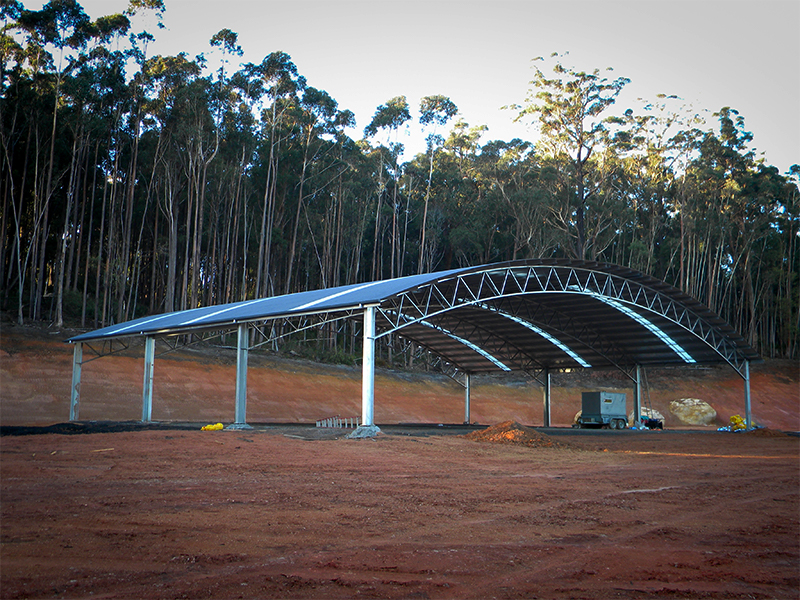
537	316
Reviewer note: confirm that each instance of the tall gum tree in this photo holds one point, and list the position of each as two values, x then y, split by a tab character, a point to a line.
275	84
389	117
62	25
435	111
569	109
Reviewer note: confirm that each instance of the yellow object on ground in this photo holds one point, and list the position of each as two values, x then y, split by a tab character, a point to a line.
737	423
215	427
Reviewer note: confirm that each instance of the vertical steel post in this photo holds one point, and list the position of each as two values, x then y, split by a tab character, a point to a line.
547	397
637	397
368	369
75	391
748	417
147	388
242	343
466	398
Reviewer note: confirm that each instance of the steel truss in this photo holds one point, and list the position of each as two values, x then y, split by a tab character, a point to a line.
106	348
275	329
172	342
430	302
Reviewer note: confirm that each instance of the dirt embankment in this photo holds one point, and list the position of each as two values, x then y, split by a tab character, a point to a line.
197	385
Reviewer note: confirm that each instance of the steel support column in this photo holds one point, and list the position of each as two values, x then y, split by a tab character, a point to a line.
147	388
466	398
75	391
637	397
546	375
368	369
748	417
242	346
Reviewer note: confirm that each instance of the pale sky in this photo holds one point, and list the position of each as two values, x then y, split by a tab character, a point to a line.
712	53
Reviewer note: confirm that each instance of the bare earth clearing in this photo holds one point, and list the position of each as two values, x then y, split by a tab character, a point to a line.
171	514
289	511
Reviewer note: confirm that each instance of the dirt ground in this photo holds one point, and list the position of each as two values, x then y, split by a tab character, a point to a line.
297	512
109	508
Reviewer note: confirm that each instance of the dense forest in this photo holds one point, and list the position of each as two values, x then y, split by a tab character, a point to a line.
134	184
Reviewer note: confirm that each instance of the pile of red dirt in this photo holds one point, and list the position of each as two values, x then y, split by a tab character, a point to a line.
766	432
511	432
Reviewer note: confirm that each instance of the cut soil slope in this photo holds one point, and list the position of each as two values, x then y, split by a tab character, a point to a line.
197	385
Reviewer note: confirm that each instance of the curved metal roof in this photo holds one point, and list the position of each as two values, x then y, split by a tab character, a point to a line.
517	315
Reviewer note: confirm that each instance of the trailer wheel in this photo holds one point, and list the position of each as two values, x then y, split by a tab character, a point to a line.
622	424
612	424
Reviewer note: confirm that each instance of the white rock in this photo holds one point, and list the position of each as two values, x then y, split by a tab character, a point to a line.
692	411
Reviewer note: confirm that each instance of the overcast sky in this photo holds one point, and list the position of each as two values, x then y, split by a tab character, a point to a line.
711	53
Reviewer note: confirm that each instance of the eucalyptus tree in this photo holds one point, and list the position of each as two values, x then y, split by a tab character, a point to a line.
236	183
315	116
233	122
208	109
274	84
142	13
88	117
655	148
13	82
786	269
332	186
569	109
518	201
455	193
63	26
388	118
740	202
435	111
168	81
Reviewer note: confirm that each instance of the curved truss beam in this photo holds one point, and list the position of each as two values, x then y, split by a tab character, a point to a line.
522	358
578	331
474	347
476	288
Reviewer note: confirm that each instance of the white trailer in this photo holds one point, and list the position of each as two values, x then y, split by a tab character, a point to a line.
603	409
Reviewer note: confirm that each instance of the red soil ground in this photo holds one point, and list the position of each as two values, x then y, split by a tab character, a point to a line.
298	512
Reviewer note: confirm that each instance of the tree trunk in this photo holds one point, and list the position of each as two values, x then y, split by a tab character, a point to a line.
295	230
62	253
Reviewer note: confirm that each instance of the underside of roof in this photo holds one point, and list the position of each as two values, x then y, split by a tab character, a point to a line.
521	315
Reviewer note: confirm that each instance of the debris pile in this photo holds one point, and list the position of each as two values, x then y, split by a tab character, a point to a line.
737	423
511	432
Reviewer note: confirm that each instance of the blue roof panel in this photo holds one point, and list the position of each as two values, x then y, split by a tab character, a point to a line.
313	301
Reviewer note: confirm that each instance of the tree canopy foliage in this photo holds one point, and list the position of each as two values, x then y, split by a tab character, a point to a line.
134	184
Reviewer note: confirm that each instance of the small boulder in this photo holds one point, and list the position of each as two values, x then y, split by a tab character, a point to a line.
692	411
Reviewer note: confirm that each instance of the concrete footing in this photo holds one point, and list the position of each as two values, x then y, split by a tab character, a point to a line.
238	426
364	431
